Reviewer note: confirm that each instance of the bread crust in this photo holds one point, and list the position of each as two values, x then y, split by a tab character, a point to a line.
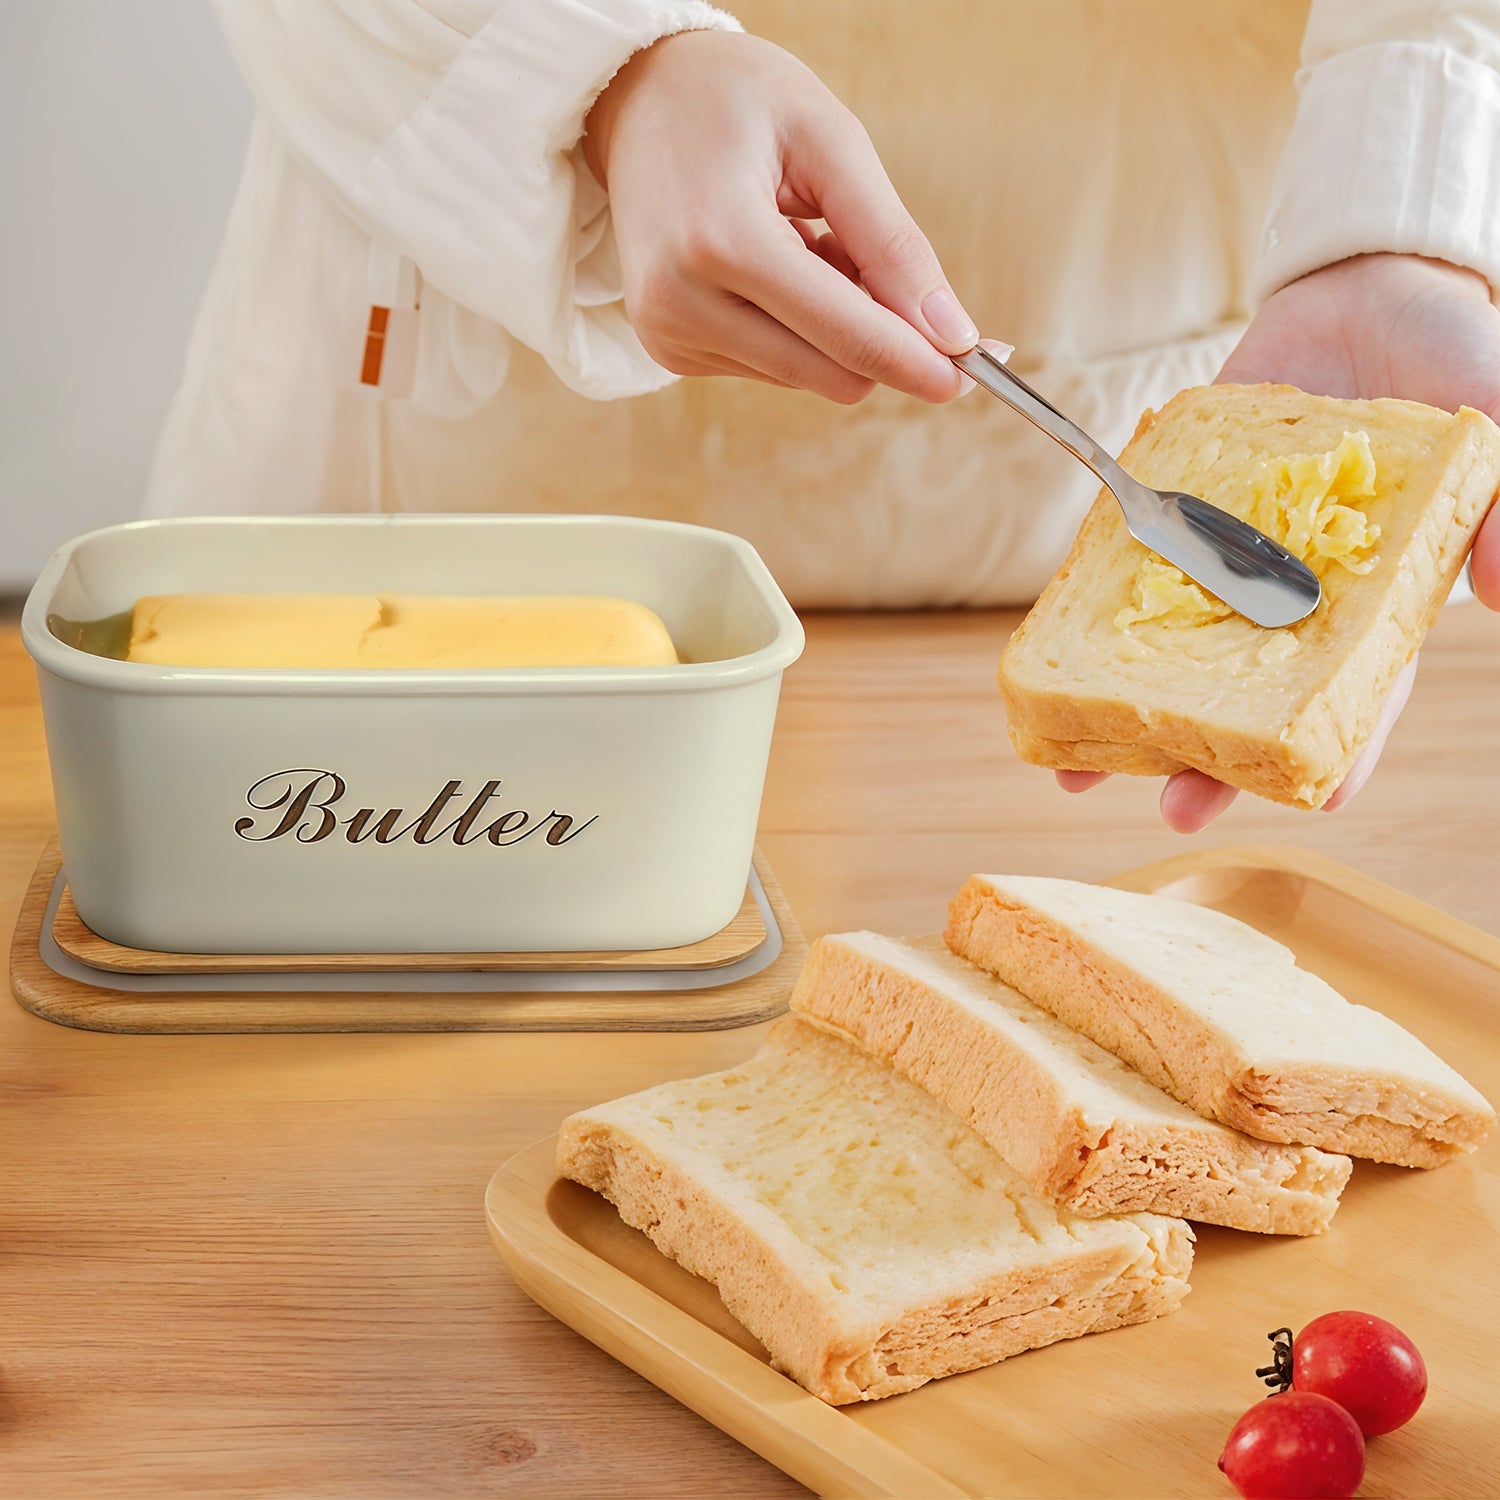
1178	1050
824	1341
1295	756
998	1317
1192	1168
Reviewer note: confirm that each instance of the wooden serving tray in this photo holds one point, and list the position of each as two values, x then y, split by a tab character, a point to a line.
744	934
1144	1410
637	992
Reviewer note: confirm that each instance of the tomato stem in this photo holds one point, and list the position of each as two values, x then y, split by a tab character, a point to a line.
1278	1374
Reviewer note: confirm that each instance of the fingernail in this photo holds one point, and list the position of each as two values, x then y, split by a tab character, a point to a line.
948	320
965	385
1001	351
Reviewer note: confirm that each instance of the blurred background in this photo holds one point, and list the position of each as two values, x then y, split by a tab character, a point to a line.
123	125
127	122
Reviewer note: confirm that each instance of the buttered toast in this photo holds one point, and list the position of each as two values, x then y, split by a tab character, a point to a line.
1125	665
863	1233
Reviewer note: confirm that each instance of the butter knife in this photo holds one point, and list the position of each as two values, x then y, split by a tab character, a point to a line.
1253	575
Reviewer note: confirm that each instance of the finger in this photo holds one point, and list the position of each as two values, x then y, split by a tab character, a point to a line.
1359	772
708	364
1001	350
808	229
837	167
825	245
1190	801
829	248
681	363
730	329
1080	781
1484	561
833	315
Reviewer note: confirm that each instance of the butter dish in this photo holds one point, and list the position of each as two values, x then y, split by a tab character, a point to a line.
312	811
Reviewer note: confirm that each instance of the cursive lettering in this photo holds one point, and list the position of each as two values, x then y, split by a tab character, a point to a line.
304	801
561	823
461	826
298	802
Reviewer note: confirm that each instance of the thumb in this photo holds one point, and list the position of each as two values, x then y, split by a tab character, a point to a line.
1359	772
842	174
1484	560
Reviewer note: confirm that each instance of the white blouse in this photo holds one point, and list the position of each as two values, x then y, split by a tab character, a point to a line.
1101	181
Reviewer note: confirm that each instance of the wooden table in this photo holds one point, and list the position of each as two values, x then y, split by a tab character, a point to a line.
258	1265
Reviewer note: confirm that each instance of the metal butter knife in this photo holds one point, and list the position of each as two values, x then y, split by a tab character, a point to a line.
1253	575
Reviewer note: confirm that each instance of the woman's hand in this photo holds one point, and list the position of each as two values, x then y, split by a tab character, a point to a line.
720	152
1376	325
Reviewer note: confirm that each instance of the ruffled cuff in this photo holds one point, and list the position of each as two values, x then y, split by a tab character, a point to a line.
483	188
1396	147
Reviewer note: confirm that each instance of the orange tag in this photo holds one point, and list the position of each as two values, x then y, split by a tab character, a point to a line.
374	346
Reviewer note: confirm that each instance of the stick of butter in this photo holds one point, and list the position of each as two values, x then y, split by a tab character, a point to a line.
396	631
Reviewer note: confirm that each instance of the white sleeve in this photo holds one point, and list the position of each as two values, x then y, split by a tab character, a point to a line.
454	144
1396	143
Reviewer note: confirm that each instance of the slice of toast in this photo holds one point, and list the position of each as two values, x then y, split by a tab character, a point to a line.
1221	1017
1123	665
864	1234
1081	1127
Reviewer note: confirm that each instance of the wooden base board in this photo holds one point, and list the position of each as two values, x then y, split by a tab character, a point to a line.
104	1003
728	946
1144	1410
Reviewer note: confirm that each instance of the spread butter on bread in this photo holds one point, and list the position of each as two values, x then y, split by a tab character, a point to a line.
1220	1016
1126	665
862	1232
1083	1128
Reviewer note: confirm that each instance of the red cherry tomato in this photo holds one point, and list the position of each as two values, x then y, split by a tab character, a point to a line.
1365	1364
1295	1446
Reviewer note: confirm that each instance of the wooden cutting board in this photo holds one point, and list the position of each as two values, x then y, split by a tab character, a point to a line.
1145	1410
744	934
596	992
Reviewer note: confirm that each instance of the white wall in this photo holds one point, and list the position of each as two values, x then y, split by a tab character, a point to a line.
122	124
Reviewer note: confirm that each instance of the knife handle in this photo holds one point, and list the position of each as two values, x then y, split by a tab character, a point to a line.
999	380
